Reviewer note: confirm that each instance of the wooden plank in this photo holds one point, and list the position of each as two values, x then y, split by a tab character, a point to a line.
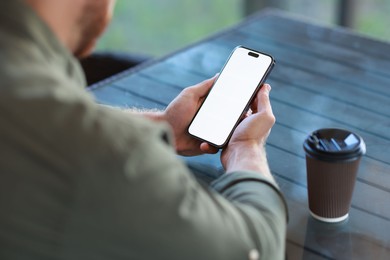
313	82
118	98
197	55
305	121
172	74
357	78
325	78
377	139
376	123
205	59
371	172
303	134
145	88
337	111
294	41
302	27
295	251
329	88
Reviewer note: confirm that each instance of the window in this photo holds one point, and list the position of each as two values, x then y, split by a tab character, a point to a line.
155	27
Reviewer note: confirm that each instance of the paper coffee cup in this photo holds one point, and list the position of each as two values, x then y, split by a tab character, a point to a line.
332	162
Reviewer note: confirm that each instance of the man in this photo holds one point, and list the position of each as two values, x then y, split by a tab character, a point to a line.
82	181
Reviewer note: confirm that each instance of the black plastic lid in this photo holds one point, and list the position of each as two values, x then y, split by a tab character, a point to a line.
334	144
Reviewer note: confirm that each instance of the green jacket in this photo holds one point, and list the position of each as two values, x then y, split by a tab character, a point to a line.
81	181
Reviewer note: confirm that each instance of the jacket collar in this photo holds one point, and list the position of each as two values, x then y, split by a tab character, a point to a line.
23	33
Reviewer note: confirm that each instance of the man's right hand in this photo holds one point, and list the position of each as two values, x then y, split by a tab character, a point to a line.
245	150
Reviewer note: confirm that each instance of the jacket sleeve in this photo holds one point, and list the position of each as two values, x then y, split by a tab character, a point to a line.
139	201
261	206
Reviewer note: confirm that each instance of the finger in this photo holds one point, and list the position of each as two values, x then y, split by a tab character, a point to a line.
249	112
263	102
206	148
254	104
265	107
201	89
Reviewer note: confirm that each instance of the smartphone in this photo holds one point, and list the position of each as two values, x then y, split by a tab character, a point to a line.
230	96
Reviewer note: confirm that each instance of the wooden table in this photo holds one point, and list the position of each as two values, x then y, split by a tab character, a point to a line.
324	77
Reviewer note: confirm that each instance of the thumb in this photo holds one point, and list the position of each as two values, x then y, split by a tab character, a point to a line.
263	99
201	89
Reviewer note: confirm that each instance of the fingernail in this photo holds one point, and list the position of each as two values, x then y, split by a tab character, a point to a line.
268	87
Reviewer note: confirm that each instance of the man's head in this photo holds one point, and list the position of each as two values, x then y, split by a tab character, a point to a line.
77	23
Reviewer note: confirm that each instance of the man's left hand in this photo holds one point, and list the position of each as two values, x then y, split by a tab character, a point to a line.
179	114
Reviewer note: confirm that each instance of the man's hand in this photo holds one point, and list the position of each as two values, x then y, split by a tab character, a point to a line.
179	114
245	150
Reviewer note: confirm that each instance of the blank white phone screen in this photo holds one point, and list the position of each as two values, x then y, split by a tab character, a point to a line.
230	95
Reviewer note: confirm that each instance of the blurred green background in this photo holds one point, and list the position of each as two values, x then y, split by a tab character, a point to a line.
158	27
